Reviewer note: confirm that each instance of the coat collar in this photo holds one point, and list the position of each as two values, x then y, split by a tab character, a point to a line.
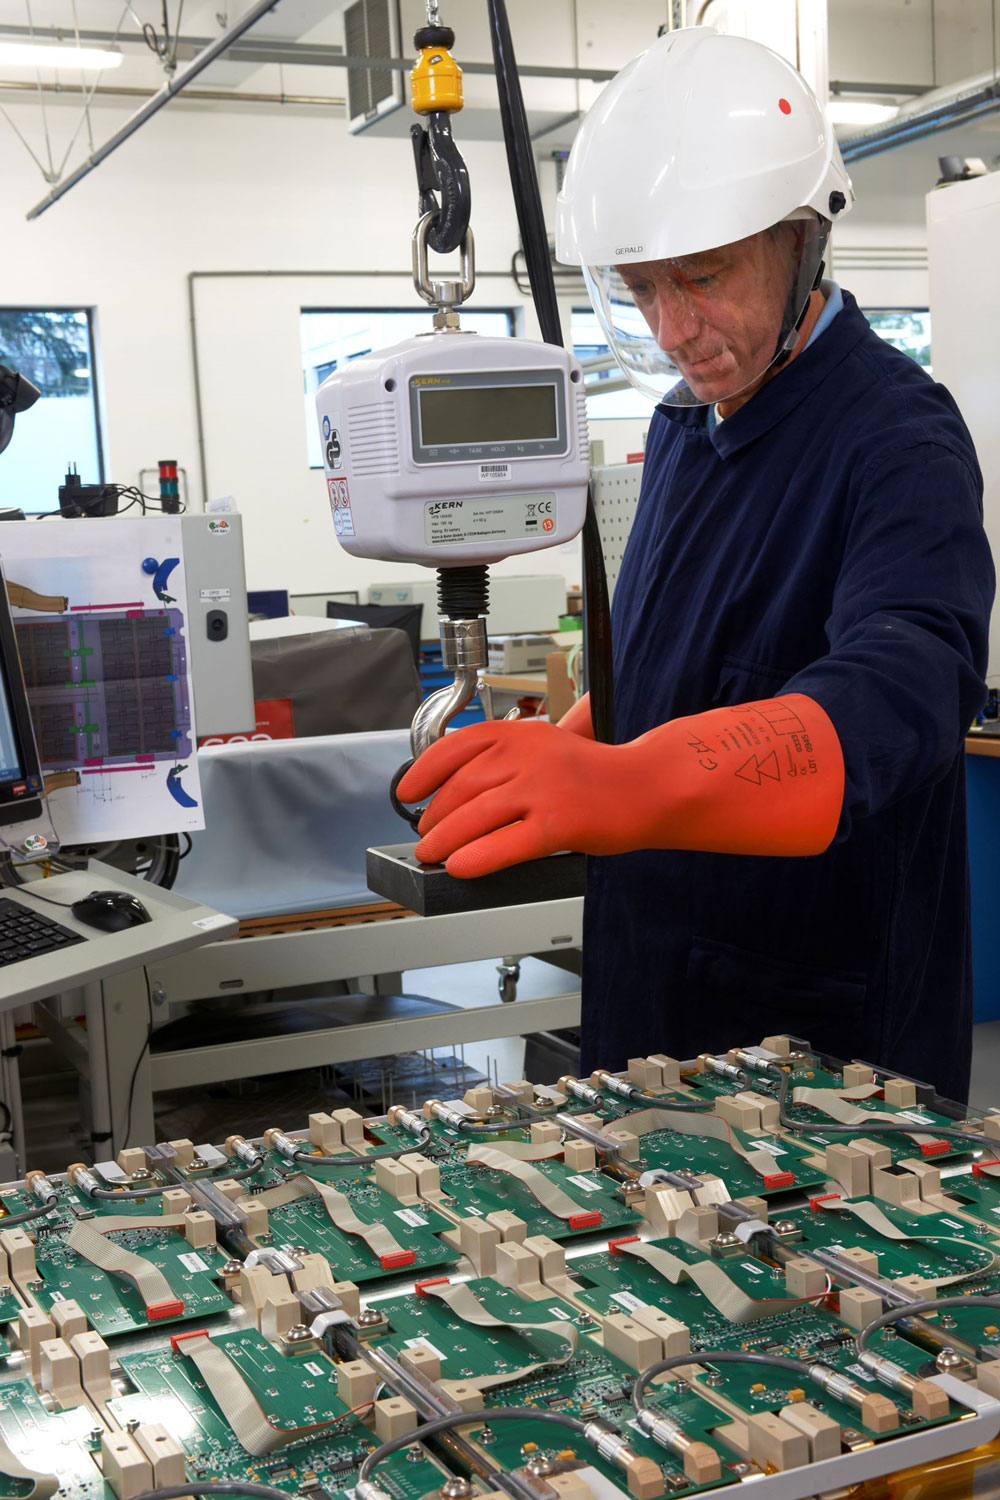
781	395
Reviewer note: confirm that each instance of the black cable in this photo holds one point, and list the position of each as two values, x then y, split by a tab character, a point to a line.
460	1419
388	1154
877	1127
244	1172
28	1214
142	1053
214	1487
125	1195
190	846
916	1310
531	222
713	1357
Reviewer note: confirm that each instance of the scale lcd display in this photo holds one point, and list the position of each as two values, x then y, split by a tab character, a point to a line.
477	414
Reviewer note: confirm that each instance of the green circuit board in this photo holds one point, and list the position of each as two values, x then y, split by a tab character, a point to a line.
59	1443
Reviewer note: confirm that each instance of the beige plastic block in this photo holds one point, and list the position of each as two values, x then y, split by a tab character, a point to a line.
512	1229
254	1288
988	1377
59	1373
821	1431
398	1181
626	1141
69	1318
280	1312
175	1200
924	1289
356	1382
20	1254
467	1396
325	1133
567	1486
901	1092
671	1068
877	1152
879	1413
394	1417
423	1359
735	1435
855	1074
851	1169
33	1328
702	1464
770	1115
183	1152
480	1098
674	1335
350	1297
991	1126
645	1074
551	1257
580	1156
314	1270
126	1468
757	1206
163	1451
132	1159
663	1206
780	1044
739	1111
775	1443
256	1215
630	1342
352	1126
898	1188
427	1173
929	1400
927	1175
803	1278
865	1260
95	1364
519	1269
644	1477
698	1225
522	1090
859	1306
199	1229
479	1240
545	1133
230	1188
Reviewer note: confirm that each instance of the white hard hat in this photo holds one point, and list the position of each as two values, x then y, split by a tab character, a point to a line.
702	141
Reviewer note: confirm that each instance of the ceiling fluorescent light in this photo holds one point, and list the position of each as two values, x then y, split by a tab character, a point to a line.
860	112
57	55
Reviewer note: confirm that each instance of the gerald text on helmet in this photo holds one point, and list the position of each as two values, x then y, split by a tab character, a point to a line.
629	249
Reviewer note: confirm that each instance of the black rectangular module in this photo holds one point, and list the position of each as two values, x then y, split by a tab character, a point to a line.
428	890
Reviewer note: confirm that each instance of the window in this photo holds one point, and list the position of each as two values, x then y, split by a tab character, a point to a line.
54	348
906	328
621	399
332	337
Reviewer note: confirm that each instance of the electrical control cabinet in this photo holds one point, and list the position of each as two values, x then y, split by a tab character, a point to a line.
764	1265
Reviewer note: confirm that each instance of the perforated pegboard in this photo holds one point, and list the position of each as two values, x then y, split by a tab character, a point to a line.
616	495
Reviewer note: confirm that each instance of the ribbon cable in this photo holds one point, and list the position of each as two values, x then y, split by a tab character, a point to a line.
711	1280
645	1121
153	1287
43	1486
463	1302
872	1215
527	1150
545	1192
838	1107
339	1211
236	1400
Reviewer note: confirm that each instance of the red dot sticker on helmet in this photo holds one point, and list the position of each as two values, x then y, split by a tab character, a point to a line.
784	106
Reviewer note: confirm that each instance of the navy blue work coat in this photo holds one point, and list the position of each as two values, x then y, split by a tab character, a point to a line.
825	539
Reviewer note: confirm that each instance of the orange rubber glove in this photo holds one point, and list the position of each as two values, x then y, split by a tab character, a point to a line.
577	719
753	778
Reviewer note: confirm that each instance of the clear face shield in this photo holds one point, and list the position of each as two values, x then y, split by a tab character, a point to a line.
703	328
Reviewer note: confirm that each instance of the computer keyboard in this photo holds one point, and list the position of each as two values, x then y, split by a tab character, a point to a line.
25	933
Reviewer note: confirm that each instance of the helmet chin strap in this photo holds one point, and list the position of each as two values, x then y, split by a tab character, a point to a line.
786	343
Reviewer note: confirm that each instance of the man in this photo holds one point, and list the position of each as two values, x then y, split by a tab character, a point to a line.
800	620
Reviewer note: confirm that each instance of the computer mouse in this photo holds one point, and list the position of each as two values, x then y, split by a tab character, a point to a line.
110	911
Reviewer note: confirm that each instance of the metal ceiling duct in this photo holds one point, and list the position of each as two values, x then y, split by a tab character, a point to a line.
927	114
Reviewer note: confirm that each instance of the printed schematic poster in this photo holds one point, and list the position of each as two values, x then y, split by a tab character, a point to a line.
99	609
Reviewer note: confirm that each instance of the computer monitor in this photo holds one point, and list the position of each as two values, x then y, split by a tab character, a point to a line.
20	772
405	617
